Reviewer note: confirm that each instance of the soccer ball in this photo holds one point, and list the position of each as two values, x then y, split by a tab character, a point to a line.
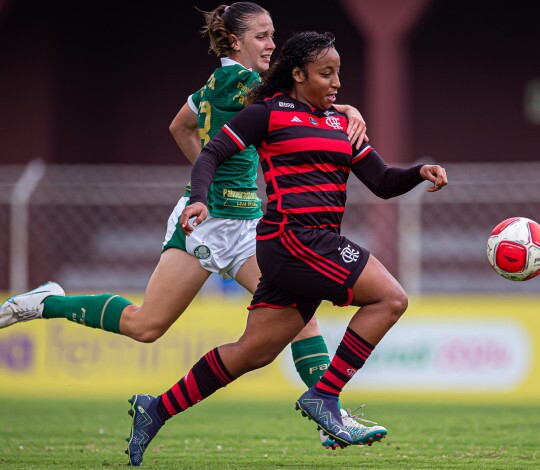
513	249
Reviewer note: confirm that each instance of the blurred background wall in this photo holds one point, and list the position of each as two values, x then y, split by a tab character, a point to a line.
100	81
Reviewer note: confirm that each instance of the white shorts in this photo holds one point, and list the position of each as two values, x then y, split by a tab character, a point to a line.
221	245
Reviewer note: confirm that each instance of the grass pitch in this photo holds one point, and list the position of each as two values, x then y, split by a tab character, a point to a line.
42	434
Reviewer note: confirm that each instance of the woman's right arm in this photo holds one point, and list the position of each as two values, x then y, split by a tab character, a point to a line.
185	130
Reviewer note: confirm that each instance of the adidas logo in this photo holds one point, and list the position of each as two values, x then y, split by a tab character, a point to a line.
296	119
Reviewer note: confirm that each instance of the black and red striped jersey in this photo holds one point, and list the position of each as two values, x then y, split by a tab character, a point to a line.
306	158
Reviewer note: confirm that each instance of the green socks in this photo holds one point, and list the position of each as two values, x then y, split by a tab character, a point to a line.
311	359
96	311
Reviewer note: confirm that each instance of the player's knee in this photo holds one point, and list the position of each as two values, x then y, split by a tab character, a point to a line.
311	329
397	304
261	359
255	356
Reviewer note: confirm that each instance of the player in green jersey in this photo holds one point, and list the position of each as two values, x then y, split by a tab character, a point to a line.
242	36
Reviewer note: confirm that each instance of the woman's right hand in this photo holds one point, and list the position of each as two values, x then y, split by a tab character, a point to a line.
197	210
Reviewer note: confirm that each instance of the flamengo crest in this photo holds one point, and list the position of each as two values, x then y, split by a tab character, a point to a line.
349	254
333	121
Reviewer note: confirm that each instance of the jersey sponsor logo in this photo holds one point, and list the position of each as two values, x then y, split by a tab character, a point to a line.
313	121
349	254
296	119
334	122
329	113
234	194
202	252
281	104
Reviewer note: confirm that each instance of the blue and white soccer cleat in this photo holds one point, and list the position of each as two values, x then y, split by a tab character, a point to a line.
324	410
327	442
144	426
28	306
360	433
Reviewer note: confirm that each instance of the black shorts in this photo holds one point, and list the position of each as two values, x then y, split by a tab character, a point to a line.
302	267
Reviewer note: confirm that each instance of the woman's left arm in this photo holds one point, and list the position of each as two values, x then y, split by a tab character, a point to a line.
387	182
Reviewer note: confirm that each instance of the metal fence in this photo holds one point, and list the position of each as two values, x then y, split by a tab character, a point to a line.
100	228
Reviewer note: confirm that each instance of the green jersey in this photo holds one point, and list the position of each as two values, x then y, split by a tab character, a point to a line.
233	192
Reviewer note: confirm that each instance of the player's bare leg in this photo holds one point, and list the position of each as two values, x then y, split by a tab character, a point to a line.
310	353
214	370
257	348
249	274
248	277
382	302
177	279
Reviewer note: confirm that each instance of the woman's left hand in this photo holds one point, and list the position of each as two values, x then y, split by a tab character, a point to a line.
436	174
356	130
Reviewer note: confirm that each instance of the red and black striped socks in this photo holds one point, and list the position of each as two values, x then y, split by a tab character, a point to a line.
207	376
350	356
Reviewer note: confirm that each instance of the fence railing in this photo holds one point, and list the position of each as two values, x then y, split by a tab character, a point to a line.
95	228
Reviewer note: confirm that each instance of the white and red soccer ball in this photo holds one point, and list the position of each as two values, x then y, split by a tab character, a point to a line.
513	249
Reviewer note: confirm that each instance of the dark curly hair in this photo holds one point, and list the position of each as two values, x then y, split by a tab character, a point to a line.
226	20
298	51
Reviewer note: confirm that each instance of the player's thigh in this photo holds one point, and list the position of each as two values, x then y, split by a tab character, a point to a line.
249	274
375	284
177	279
271	329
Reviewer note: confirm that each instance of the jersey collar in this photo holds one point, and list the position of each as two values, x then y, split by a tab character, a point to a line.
225	61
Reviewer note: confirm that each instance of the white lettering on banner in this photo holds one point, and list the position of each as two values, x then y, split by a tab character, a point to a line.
443	354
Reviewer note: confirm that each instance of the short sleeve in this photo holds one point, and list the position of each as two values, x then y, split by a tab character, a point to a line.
194	101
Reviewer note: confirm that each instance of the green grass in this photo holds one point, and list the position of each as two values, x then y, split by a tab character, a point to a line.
224	435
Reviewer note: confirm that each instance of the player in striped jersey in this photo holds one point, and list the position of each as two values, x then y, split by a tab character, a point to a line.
307	159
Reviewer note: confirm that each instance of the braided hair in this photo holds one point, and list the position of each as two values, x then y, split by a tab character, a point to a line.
298	51
226	20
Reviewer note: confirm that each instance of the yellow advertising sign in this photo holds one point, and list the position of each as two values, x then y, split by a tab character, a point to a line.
444	348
